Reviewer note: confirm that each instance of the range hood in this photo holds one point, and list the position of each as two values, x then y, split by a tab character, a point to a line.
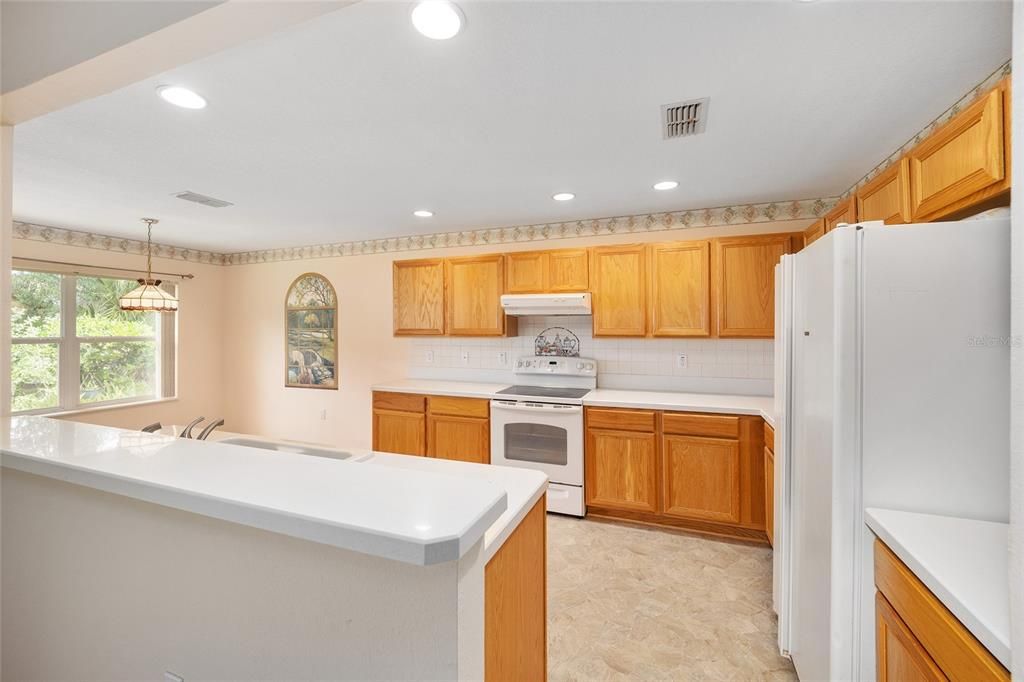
546	304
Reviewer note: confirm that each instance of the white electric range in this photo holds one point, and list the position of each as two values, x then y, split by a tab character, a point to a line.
539	425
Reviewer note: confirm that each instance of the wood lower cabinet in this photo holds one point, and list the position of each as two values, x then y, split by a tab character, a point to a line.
418	299
515	604
681	289
434	426
964	162
473	289
618	278
745	284
900	657
701	478
769	495
887	196
701	472
843	212
621	470
918	638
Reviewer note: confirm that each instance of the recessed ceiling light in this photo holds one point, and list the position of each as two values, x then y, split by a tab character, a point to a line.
423	214
181	97
666	184
438	19
563	196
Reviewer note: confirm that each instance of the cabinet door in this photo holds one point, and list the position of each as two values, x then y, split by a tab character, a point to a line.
745	284
900	657
887	196
681	289
965	157
618	277
843	212
400	432
467	439
418	297
702	478
568	271
769	495
621	470
474	288
814	232
526	273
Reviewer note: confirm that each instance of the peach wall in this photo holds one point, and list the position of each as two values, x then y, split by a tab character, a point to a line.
200	384
256	398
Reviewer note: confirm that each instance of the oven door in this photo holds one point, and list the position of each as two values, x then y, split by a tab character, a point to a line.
539	436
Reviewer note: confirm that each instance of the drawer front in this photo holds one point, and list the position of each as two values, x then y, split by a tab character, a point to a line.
955	650
460	407
404	402
769	437
620	420
713	425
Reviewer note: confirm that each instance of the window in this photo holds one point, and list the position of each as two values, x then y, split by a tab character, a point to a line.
72	346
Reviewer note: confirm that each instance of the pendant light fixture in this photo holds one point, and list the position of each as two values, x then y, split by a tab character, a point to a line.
148	296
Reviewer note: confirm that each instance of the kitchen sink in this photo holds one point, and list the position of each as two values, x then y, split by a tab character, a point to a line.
293	448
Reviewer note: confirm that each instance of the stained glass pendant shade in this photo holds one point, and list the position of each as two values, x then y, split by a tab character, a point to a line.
148	296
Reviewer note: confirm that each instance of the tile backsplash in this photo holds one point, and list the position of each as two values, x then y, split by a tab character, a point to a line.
728	365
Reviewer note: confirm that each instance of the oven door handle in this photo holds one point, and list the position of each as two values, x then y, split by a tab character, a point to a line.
516	407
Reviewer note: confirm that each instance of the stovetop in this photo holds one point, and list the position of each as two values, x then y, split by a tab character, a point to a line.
545	392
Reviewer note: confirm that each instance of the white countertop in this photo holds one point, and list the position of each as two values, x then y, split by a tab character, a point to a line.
421	512
605	397
964	562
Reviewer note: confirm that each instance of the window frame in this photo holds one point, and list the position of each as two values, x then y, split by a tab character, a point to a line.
69	345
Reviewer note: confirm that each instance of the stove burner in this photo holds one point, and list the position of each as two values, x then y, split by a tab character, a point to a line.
545	392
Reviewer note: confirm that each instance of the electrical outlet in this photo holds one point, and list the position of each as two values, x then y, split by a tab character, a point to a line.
428	357
681	361
323	415
502	358
465	357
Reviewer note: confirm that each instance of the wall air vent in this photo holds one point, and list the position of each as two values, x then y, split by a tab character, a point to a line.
683	119
203	199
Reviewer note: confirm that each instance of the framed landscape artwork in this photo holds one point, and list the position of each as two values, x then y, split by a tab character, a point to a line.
311	324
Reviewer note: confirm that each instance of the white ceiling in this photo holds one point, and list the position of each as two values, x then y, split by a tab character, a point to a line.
338	129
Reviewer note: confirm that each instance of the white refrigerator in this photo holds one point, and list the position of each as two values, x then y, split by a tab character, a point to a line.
892	390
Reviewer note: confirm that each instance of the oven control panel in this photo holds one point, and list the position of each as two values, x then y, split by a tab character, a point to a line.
578	367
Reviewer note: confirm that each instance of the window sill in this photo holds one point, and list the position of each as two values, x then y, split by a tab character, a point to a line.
99	408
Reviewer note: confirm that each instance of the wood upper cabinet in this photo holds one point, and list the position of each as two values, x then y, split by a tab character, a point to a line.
701	478
473	289
568	270
459	429
887	196
900	657
745	284
964	161
843	212
418	297
681	289
538	272
814	232
526	272
621	470
618	278
399	423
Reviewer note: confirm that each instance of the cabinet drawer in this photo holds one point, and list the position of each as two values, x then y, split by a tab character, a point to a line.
769	437
620	420
714	425
460	407
405	402
955	650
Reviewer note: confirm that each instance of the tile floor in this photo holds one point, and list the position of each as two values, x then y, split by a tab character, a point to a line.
633	603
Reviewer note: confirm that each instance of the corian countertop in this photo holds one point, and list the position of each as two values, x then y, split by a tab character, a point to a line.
964	562
605	397
420	512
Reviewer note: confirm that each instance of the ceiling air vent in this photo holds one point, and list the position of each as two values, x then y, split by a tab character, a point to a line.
683	119
203	199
